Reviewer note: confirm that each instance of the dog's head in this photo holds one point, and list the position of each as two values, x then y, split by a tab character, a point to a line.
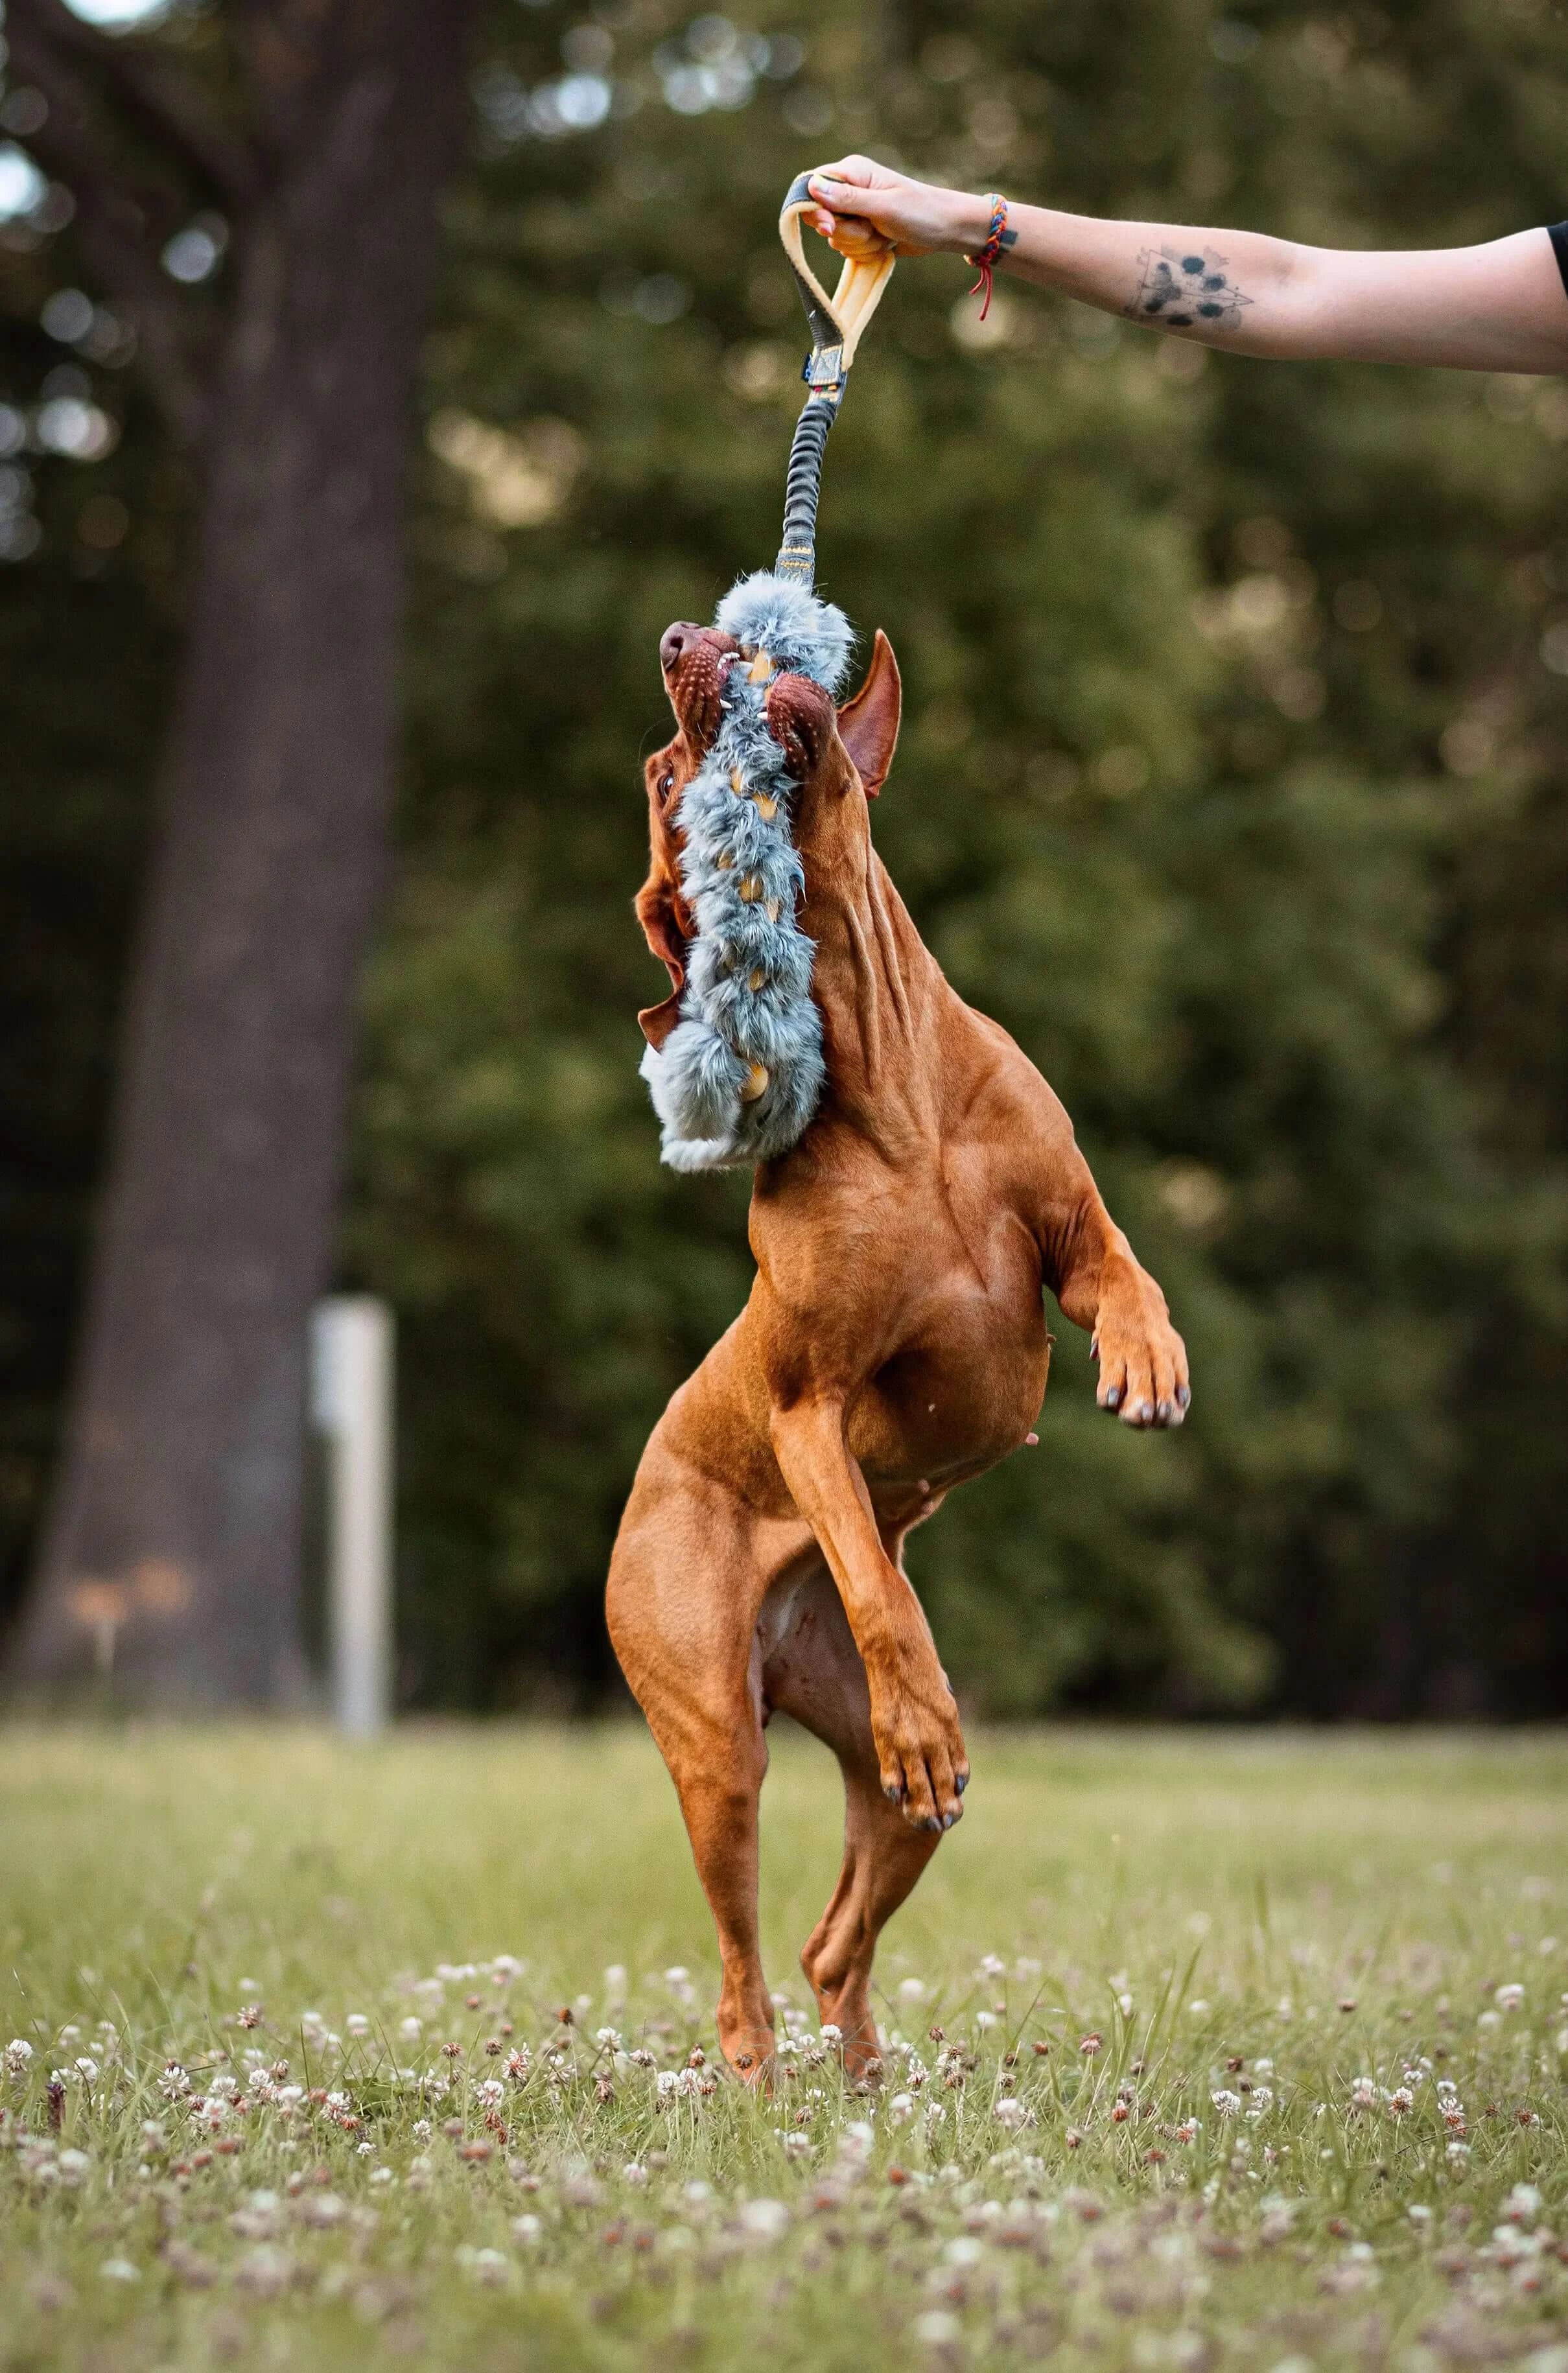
839	757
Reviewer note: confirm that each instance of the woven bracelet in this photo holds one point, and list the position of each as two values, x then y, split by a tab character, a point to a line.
984	257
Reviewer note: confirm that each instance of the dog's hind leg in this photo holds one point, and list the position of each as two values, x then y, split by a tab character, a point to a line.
815	1673
687	1580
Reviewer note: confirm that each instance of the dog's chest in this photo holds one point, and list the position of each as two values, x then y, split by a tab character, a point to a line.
961	1385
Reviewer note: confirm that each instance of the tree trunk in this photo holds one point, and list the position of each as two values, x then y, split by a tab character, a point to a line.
173	1551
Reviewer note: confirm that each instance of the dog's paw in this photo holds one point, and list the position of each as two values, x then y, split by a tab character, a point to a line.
919	1745
1144	1375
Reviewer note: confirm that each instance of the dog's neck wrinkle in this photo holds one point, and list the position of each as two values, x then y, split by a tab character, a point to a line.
877	985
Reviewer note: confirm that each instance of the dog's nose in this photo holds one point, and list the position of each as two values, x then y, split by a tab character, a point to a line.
674	641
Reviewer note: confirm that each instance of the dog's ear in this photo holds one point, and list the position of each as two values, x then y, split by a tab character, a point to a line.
656	912
660	909
867	725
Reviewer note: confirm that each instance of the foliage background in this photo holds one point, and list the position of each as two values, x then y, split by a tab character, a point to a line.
1232	782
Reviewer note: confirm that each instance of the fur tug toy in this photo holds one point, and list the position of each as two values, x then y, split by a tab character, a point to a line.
738	1079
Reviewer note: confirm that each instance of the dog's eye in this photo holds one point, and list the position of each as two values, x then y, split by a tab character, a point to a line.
666	785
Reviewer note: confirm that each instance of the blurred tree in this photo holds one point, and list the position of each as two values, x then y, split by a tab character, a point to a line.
311	142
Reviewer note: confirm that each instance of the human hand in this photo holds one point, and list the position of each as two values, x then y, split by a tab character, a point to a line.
865	209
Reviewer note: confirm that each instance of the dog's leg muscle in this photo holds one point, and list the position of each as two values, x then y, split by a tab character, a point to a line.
914	1719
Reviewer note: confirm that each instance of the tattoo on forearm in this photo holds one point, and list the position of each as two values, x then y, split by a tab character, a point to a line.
1180	290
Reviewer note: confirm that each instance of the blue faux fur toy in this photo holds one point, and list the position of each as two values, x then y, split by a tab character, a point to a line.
738	1079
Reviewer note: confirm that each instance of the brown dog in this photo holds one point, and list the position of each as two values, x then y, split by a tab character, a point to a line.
893	1345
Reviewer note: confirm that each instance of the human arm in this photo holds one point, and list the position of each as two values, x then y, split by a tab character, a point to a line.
1500	306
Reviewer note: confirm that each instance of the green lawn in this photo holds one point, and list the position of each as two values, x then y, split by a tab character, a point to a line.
1268	1919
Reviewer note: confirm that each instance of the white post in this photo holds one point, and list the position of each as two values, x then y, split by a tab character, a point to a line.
352	1373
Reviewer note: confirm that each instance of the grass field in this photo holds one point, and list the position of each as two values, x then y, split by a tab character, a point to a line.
1323	2124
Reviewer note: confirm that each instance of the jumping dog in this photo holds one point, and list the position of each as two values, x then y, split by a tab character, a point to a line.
893	1345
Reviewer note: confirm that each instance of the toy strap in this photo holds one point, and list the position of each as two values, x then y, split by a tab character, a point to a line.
837	325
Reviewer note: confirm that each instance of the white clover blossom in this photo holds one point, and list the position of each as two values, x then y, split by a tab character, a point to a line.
1227	2103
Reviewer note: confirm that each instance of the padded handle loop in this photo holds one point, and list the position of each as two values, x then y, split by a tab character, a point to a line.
840	319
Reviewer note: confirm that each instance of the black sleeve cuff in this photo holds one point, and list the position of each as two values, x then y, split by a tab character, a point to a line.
1558	234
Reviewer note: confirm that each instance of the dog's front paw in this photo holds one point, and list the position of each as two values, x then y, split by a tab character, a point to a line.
919	1745
1143	1377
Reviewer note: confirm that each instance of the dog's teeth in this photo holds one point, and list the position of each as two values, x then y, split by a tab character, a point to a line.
757	1083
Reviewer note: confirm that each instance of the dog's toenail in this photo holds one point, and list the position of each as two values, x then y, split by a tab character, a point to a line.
1112	1399
948	1819
961	1783
1184	1396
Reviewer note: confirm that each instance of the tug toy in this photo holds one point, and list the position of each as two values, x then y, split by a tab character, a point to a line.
739	1078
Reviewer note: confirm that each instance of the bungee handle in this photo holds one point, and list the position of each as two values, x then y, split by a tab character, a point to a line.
838	324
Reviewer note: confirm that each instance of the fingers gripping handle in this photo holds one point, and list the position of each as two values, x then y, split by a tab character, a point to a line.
837	323
840	319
